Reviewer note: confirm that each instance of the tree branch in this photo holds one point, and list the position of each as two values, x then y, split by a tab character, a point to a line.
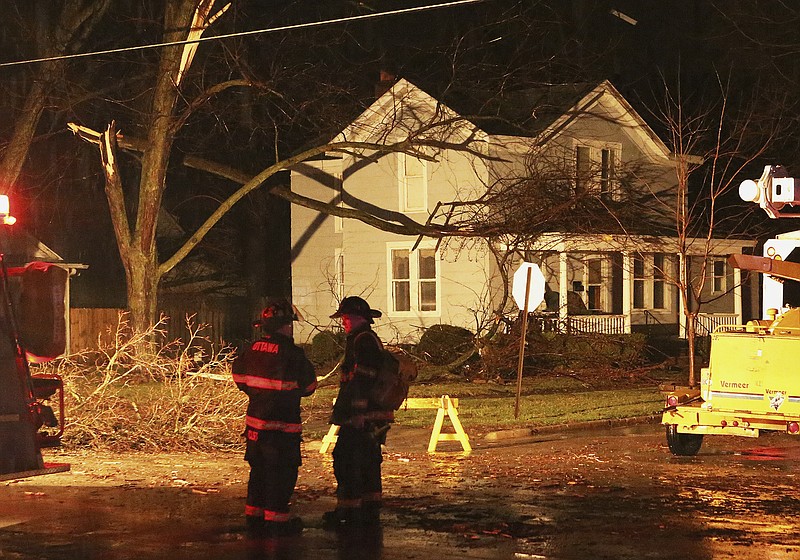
107	142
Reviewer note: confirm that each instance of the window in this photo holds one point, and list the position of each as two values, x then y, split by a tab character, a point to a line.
401	280
658	281
594	284
719	275
427	279
339	261
583	168
338	221
596	168
413	174
414	281
638	282
607	175
649	281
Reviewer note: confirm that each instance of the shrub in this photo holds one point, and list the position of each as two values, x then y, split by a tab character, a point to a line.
327	347
442	344
550	351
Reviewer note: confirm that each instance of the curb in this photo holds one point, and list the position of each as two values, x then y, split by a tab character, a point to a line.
517	433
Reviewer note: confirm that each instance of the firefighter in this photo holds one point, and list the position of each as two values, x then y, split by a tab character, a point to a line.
363	425
275	374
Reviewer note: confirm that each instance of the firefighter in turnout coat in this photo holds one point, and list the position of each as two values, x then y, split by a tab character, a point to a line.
275	374
363	425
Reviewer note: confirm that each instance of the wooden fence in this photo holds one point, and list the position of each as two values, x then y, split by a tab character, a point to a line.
89	324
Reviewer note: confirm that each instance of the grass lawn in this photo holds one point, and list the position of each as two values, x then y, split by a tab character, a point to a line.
545	400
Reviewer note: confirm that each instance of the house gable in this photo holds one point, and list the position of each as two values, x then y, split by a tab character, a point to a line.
402	112
604	102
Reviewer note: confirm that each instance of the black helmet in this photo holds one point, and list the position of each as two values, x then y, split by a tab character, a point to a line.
277	313
354	305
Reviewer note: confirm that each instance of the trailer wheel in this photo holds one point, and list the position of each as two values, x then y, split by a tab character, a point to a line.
683	444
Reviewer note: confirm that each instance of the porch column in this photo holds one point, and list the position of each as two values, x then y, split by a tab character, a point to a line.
563	291
737	295
681	308
627	308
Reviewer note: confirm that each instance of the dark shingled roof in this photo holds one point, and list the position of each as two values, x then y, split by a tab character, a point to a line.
525	112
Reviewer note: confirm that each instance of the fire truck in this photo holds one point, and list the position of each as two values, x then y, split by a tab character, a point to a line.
752	382
32	330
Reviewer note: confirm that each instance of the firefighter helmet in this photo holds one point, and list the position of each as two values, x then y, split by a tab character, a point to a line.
277	313
354	305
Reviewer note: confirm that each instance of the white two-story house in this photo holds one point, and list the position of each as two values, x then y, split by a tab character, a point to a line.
599	279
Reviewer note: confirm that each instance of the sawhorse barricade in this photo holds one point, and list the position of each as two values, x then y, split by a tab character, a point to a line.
443	404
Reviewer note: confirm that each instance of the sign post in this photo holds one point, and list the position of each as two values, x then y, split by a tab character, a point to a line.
527	288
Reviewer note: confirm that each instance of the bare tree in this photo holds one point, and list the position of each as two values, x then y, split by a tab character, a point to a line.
74	21
712	147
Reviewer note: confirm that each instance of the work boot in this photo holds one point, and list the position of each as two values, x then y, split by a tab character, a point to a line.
293	526
255	526
341	518
371	513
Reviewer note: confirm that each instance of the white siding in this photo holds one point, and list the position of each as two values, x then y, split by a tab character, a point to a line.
463	267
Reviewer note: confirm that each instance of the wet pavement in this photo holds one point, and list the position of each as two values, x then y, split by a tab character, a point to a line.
608	493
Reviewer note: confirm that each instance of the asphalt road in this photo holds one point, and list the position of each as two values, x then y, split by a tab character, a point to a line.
608	493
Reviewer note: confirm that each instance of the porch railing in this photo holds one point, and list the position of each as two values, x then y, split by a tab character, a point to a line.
600	324
582	324
707	322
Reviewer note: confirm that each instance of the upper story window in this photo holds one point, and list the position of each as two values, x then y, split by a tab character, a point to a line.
413	187
596	166
414	279
338	184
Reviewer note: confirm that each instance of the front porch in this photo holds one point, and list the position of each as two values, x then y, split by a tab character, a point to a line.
621	324
618	285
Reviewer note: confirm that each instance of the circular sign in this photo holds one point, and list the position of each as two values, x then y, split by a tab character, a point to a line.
520	281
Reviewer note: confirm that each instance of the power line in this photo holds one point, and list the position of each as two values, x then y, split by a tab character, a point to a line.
307	25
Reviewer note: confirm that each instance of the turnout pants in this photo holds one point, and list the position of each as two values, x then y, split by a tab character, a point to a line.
274	459
357	462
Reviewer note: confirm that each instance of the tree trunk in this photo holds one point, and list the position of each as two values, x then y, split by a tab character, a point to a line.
25	124
691	335
142	281
141	265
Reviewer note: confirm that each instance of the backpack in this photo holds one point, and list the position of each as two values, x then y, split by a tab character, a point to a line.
395	374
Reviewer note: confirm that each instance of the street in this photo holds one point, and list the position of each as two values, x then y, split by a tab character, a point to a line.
611	493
